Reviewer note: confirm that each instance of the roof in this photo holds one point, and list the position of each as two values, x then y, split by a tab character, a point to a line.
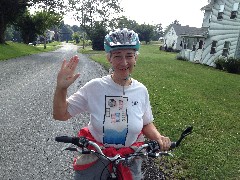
188	31
207	7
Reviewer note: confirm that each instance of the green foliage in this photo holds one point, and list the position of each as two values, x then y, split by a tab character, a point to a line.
76	37
65	32
98	35
89	12
179	57
32	25
52	6
184	93
220	63
157	32
9	11
12	10
45	20
124	22
145	32
230	65
9	33
26	26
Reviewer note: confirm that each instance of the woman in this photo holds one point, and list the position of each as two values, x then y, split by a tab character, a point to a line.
119	106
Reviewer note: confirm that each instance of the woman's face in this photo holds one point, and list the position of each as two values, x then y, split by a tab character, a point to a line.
123	62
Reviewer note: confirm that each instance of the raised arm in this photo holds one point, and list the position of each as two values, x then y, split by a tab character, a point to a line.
66	76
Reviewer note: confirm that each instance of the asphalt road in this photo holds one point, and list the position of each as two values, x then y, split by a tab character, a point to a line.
27	147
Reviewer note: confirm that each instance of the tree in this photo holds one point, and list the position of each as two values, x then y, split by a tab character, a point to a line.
65	32
76	28
76	37
45	20
176	22
157	32
9	11
57	6
26	26
145	32
124	22
9	33
37	24
87	12
98	36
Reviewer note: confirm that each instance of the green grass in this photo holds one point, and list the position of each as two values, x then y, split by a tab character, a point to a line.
13	50
182	94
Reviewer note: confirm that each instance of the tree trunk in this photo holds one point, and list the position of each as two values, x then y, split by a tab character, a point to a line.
45	42
2	29
83	40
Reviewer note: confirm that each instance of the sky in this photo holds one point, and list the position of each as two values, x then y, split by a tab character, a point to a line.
164	12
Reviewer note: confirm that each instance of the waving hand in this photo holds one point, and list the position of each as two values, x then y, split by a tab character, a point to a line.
66	75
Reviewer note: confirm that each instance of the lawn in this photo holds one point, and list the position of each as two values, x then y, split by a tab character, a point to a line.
13	50
183	94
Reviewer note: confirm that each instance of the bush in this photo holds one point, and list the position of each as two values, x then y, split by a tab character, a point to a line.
230	65
169	49
233	65
220	63
179	57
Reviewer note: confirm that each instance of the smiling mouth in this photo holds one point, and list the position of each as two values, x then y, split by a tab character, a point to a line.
124	69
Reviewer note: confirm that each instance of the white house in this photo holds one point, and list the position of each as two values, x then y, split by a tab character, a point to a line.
173	36
50	36
221	33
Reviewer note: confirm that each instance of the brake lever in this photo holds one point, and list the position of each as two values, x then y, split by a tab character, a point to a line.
157	154
69	148
185	133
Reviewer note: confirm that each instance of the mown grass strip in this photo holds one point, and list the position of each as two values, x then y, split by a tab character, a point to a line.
184	93
13	50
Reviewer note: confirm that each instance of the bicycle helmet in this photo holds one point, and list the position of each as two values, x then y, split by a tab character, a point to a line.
121	39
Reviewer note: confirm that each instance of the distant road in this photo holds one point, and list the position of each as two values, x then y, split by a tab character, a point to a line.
27	147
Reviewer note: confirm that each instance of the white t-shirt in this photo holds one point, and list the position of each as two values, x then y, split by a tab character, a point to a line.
117	113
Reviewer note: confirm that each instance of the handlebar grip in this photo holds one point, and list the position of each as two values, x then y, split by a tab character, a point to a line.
153	146
67	139
173	145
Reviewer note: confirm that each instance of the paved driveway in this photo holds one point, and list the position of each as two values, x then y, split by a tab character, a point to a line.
27	130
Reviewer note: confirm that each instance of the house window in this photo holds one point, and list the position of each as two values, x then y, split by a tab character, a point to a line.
213	48
185	46
194	47
210	17
226	48
200	46
234	11
181	44
220	12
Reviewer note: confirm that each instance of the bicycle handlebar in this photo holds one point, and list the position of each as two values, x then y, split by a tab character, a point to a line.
152	146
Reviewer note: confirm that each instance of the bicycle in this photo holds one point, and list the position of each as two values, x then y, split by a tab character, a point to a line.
148	149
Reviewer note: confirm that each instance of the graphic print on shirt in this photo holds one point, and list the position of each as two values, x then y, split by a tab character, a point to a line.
115	125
